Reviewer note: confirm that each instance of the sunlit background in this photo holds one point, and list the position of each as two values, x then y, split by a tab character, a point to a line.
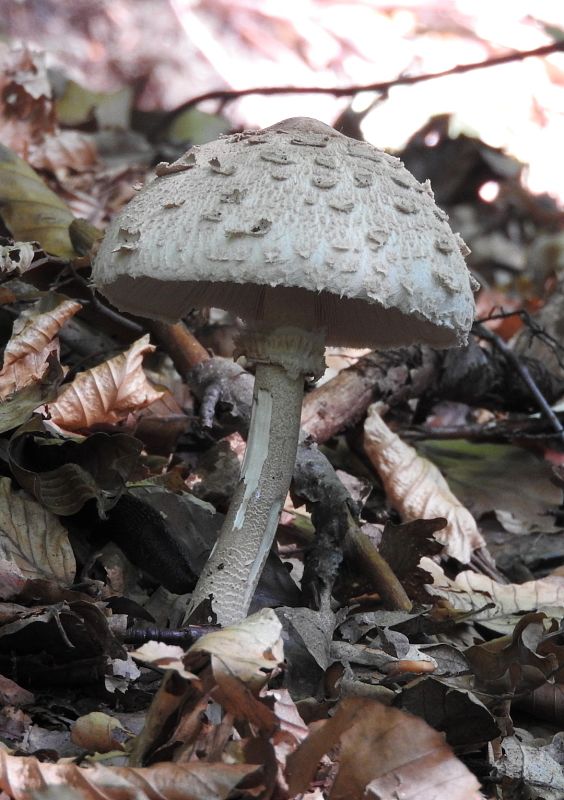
171	50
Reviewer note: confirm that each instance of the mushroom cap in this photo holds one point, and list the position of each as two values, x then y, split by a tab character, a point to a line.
298	221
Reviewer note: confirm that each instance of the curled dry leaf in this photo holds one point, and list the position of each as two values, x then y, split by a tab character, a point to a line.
470	592
416	488
249	650
242	658
21	778
385	753
16	257
99	733
33	340
107	393
33	538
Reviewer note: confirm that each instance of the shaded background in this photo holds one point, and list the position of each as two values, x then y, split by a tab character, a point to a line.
167	51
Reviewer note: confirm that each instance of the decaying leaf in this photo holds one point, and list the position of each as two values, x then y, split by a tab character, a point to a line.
470	591
248	650
99	733
20	778
30	210
33	538
512	481
33	340
16	257
513	663
107	393
533	768
382	749
416	488
72	472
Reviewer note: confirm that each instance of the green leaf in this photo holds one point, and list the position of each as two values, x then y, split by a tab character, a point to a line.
30	210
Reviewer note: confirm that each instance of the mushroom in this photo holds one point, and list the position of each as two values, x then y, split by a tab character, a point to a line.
312	238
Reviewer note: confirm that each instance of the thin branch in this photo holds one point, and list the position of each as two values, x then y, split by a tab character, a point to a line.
523	373
228	95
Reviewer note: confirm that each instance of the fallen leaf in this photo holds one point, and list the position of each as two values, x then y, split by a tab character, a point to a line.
470	591
33	341
72	472
509	480
30	210
99	733
33	538
21	777
107	393
417	490
533	768
382	750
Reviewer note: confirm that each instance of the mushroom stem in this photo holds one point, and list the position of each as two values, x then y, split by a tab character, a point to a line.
233	570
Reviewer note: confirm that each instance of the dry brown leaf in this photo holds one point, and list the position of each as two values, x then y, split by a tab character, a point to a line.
21	777
33	340
249	650
99	733
33	538
65	151
26	112
470	591
417	490
107	393
242	658
385	753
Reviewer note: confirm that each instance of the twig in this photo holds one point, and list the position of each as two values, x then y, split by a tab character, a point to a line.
484	333
228	95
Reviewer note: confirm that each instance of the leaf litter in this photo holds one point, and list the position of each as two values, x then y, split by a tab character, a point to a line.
341	685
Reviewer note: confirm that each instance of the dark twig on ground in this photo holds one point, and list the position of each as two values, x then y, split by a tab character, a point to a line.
523	372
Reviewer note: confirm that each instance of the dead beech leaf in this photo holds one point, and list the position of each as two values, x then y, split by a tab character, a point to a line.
107	393
417	490
509	480
470	591
382	749
33	341
242	658
65	151
248	650
21	777
163	656
33	538
99	733
16	257
531	769
513	663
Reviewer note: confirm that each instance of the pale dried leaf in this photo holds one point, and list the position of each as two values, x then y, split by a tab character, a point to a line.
99	733
416	488
536	770
33	538
249	649
106	393
470	591
163	656
242	658
33	340
382	749
21	777
16	257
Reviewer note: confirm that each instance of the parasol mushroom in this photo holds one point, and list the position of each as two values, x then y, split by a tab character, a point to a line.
312	238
